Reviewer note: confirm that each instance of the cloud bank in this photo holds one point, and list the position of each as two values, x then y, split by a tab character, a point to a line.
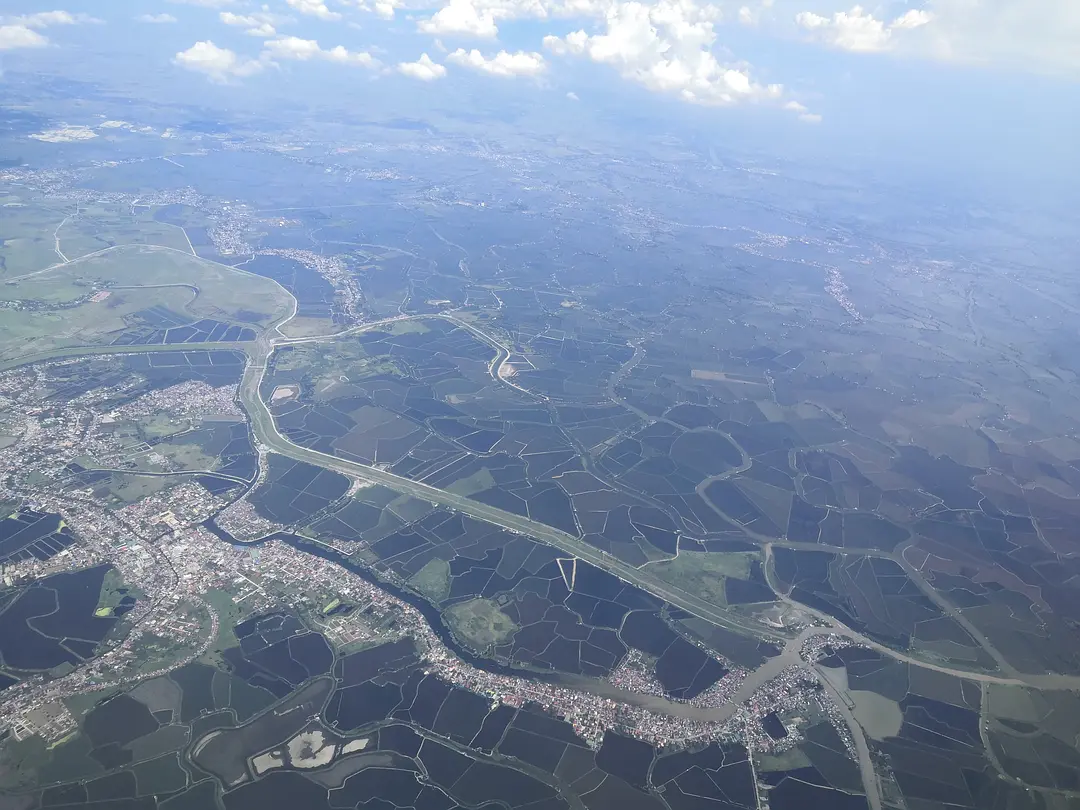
219	64
423	69
667	48
303	50
503	63
22	31
856	30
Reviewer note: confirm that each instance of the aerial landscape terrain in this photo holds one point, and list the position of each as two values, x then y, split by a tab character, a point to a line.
356	460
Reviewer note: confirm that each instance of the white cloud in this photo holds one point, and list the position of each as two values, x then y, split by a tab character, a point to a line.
220	64
856	30
20	36
385	9
158	19
423	69
573	43
204	3
293	48
667	48
573	96
803	113
480	18
314	8
22	31
346	57
756	12
912	18
259	24
503	63
1023	36
1041	36
461	17
303	50
43	19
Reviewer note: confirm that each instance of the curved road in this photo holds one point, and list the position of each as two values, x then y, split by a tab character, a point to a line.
266	433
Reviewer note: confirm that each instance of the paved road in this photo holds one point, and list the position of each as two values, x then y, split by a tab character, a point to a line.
265	432
170	473
1017	679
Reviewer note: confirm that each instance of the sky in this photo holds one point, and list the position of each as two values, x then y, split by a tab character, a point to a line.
990	85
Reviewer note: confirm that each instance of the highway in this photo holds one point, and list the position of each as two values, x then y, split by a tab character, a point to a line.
266	434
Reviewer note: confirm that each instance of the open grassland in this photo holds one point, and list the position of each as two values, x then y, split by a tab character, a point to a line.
704	575
35	234
480	623
433	580
104	226
27	332
308	327
55	308
26	234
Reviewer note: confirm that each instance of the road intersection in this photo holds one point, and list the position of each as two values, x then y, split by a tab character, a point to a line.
268	437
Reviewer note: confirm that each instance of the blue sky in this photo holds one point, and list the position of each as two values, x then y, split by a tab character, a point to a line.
990	83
